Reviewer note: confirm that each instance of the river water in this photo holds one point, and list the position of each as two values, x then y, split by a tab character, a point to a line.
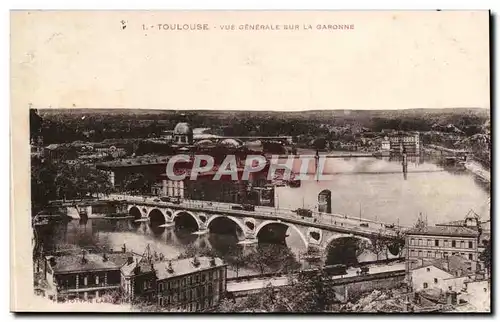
371	188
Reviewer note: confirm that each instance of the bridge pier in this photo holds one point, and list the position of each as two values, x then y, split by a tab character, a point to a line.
201	232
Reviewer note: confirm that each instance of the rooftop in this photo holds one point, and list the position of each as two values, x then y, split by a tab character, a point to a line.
134	162
444	231
88	262
184	266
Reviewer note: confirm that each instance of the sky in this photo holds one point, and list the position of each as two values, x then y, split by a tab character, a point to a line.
387	60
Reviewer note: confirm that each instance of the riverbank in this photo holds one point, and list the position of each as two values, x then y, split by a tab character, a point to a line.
478	170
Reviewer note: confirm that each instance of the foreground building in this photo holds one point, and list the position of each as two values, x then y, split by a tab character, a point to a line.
85	276
426	244
187	285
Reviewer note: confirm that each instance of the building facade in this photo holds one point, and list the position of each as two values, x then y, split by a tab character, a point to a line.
190	285
85	276
426	244
409	144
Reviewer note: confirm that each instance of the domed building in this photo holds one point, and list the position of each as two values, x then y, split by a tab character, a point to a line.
183	134
230	143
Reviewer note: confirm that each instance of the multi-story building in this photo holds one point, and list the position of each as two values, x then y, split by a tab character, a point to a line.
405	143
192	284
85	276
426	244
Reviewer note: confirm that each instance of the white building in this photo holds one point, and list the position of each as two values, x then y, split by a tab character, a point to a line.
434	277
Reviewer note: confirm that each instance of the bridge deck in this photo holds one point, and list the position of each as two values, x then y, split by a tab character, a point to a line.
319	220
332	222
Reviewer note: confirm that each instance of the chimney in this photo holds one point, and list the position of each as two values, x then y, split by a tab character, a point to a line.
170	269
212	261
104	257
130	260
196	262
84	259
124	248
137	268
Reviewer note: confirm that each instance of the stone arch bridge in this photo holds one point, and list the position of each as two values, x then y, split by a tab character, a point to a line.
254	226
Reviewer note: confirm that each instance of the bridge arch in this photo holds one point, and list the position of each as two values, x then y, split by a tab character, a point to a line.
268	222
181	212
135	212
155	212
349	253
233	219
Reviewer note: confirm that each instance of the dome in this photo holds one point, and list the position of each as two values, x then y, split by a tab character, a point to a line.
230	143
204	143
182	129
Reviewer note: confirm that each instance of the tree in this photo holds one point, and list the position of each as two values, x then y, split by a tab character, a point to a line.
378	245
344	251
137	183
313	291
272	257
485	256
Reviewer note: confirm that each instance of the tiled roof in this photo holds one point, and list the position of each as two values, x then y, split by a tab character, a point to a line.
92	262
184	266
134	162
75	263
453	223
128	269
443	231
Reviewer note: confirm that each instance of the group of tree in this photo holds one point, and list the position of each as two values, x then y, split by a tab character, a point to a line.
138	183
307	292
56	181
264	258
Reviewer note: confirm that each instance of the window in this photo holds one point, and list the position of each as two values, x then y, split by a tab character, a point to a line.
97	280
449	287
471	257
412	241
453	243
435	280
436	243
160	287
470	244
445	255
429	254
428	269
429	242
419	253
203	276
462	244
85	280
426	285
420	242
445	243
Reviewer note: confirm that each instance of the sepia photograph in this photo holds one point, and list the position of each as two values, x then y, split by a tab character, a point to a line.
262	162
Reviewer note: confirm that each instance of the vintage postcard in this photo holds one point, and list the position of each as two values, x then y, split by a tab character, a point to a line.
260	161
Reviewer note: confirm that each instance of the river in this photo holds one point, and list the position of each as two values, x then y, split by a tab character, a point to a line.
368	187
